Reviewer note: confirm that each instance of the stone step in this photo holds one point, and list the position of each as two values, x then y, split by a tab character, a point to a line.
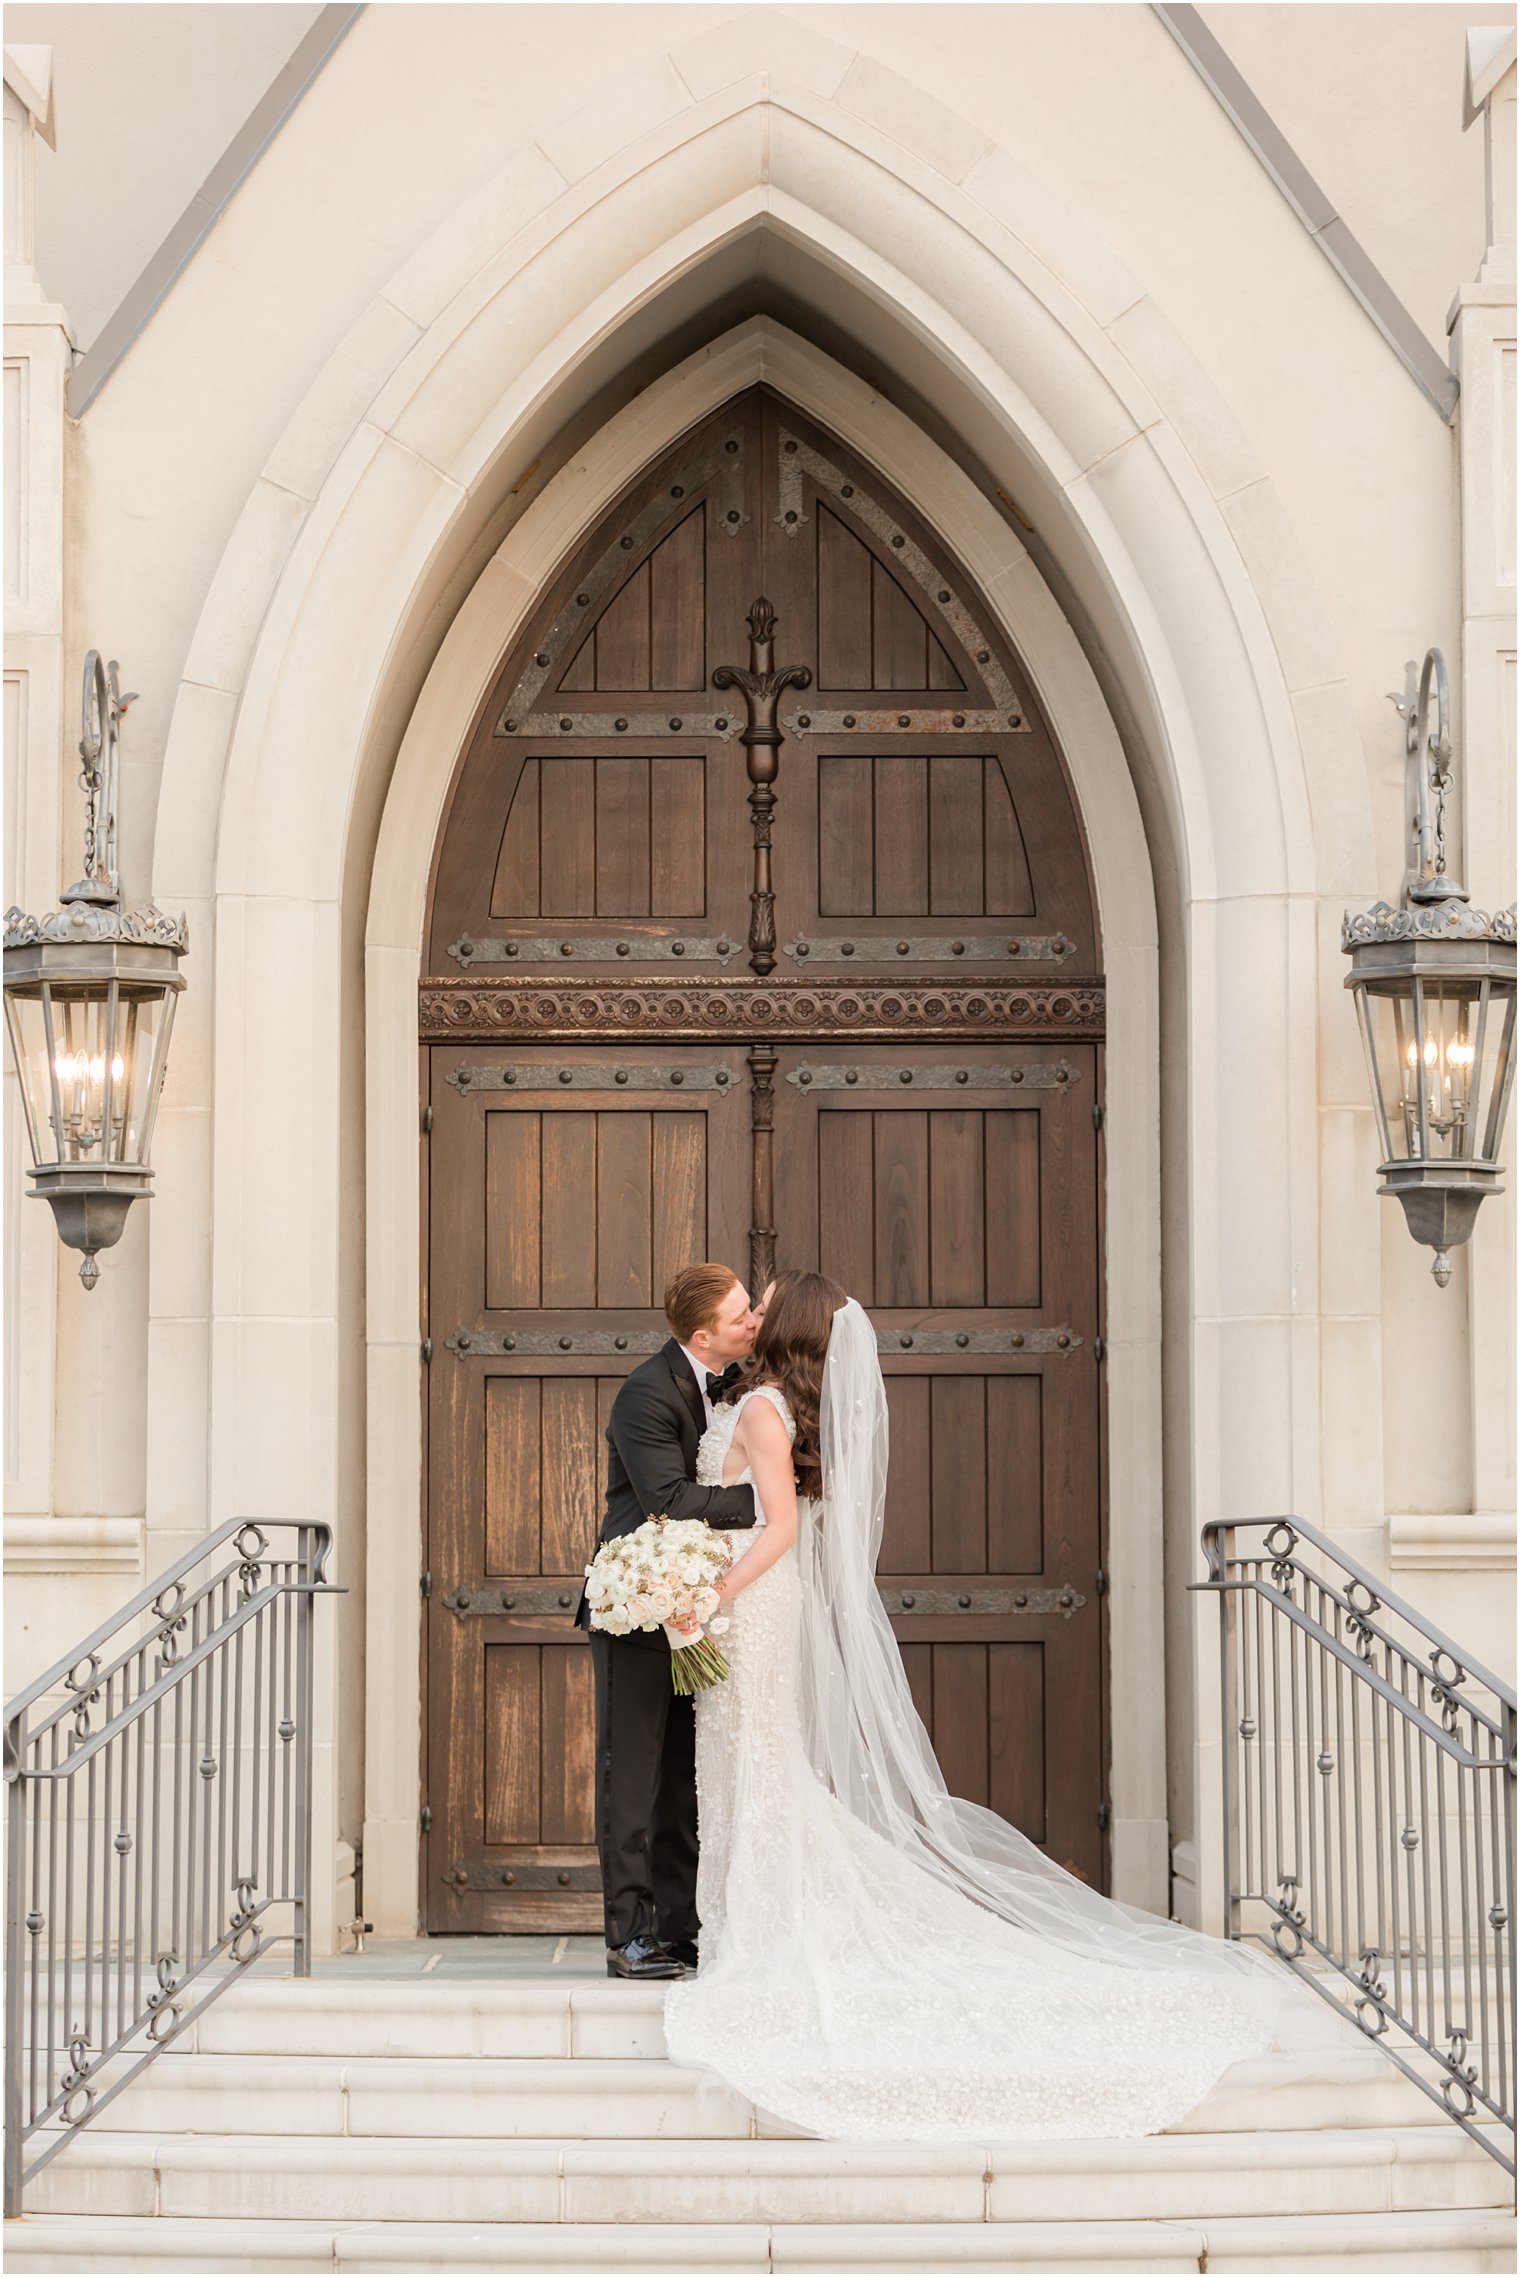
485	2098
1335	2077
1361	2245
385	2178
1352	2085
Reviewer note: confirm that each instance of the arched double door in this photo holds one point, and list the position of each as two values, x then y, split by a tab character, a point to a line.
760	929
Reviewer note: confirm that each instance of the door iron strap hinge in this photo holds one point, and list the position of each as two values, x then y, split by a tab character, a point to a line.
427	1584
934	1604
427	1119
1097	1118
427	1818
1103	1818
1097	1347
1027	1075
427	1351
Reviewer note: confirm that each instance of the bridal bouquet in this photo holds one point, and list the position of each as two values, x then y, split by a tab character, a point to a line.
665	1572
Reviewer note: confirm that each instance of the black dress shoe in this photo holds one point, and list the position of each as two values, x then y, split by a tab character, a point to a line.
642	1957
681	1949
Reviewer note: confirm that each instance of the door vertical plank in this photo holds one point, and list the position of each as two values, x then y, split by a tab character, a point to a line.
846	836
677	608
571	1497
1016	1713
956	884
622	638
1015	1474
514	892
958	1442
918	1666
899	636
960	1715
957	1228
623	1210
567	1811
622	837
569	1236
679	1195
514	1189
1006	866
512	1743
847	1203
902	837
567	852
905	1527
677	837
513	1480
1013	1206
844	606
902	1228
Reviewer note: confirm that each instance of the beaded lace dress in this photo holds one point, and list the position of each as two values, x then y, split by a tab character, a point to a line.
848	1990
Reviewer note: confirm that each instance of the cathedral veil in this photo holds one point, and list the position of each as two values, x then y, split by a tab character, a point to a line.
865	1740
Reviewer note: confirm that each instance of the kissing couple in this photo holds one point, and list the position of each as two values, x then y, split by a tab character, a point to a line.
880	1960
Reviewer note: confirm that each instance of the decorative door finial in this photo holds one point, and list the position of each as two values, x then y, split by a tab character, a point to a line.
761	686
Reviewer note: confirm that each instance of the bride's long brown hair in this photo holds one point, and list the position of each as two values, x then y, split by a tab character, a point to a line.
790	1350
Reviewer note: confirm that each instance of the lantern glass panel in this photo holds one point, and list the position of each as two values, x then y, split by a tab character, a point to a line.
1438	1042
105	1057
29	1042
92	1058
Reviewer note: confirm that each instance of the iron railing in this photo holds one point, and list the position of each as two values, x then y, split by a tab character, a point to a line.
159	1806
1369	1808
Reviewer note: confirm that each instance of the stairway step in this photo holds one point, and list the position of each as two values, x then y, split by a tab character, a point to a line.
489	2097
368	2017
487	2093
1363	2245
380	2178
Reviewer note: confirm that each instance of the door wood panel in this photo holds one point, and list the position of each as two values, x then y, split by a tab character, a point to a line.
550	1220
928	1050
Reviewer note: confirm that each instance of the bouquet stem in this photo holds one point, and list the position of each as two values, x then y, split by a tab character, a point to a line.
694	1667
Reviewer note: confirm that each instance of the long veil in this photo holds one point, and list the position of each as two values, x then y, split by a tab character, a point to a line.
865	1741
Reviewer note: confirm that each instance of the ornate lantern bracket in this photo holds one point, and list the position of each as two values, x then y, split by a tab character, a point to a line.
1434	986
89	1004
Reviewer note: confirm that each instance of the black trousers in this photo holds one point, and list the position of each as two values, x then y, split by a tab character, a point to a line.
646	1794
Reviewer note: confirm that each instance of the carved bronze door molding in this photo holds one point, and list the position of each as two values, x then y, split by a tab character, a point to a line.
785	962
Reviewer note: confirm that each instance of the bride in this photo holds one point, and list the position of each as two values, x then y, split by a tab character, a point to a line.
879	1959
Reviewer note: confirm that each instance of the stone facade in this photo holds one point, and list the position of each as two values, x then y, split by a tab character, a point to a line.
1022	262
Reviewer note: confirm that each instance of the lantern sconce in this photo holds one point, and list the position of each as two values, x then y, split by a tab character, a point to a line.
89	1004
1434	985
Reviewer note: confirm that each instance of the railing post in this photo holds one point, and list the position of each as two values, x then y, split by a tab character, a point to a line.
1226	1781
15	1901
305	1605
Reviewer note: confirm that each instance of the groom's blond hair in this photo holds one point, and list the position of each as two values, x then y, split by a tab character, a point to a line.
693	1298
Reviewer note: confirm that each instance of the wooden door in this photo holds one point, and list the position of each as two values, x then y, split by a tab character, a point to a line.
953	1195
565	1191
769	941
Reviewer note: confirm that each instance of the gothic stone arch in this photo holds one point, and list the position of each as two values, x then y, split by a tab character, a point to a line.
332	653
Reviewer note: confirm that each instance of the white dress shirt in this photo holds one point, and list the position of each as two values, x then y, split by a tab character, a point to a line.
700	1371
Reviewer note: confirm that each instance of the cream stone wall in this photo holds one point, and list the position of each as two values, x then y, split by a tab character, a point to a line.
1018	246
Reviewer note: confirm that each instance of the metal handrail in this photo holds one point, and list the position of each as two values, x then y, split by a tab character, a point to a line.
184	1807
1369	1810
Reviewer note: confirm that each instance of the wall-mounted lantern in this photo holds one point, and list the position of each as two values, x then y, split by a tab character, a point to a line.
89	1003
1434	984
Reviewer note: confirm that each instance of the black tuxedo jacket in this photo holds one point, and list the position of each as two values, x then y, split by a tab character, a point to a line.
652	1437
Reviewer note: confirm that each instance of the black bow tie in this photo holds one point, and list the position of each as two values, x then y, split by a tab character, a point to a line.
718	1385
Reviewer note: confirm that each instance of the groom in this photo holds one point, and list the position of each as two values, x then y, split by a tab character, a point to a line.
646	1791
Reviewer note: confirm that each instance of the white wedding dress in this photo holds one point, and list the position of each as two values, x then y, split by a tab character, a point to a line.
849	1987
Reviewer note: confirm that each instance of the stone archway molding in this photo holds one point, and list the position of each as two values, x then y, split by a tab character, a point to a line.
365	537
